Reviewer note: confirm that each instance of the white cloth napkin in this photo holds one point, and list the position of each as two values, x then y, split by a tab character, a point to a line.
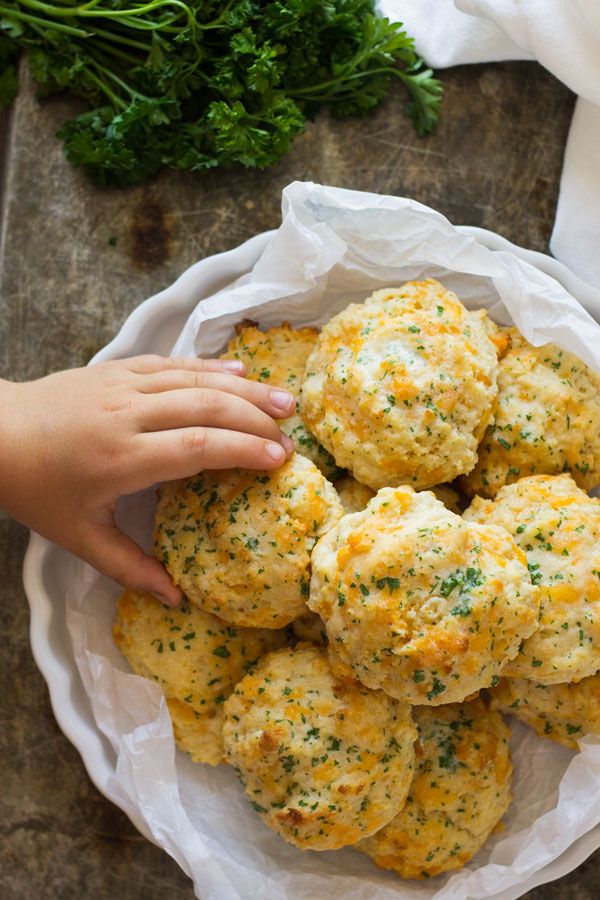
564	36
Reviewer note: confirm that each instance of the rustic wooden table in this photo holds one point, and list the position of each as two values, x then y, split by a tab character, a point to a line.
75	261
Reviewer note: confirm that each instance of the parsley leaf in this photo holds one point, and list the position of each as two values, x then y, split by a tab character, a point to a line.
465	580
200	83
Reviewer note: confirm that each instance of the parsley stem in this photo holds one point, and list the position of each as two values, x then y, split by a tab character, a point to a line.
107	49
121	39
12	13
412	80
132	18
339	82
116	100
110	74
407	78
84	11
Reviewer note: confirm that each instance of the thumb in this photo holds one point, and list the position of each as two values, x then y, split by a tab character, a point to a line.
119	557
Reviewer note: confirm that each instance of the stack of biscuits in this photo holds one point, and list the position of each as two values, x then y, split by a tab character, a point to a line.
357	622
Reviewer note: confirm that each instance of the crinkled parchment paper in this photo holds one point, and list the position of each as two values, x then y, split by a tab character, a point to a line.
333	247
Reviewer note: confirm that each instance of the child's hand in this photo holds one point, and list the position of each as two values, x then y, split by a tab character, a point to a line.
73	442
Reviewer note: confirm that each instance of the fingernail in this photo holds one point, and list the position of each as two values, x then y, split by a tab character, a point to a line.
287	443
275	451
166	601
234	366
281	399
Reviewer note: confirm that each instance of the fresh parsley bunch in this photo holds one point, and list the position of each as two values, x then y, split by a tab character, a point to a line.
193	84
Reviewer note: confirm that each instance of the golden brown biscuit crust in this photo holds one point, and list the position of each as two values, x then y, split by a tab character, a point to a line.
562	712
324	762
547	420
419	603
238	542
460	790
557	526
195	657
400	388
278	356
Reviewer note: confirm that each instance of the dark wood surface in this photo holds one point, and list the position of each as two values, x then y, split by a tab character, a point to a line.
75	261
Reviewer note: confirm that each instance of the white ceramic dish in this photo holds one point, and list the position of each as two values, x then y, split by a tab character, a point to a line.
152	327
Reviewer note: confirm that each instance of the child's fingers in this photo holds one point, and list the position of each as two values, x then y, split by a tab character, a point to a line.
118	557
145	365
274	401
167	455
214	409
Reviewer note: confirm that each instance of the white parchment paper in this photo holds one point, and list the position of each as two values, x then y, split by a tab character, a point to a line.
333	247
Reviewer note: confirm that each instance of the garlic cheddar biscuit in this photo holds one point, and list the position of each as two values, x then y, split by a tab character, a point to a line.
238	542
562	712
325	762
547	420
418	602
400	388
557	525
460	791
196	658
278	356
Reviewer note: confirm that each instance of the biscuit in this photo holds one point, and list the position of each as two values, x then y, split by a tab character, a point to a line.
557	526
418	602
562	712
196	658
460	791
238	542
278	356
547	420
324	762
400	388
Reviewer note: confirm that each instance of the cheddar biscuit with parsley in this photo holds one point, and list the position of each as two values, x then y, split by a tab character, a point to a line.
196	658
547	420
323	761
562	712
400	388
238	542
417	601
557	526
460	791
278	356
